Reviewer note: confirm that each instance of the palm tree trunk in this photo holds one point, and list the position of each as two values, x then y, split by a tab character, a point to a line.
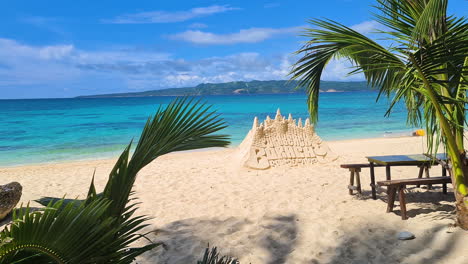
455	152
460	171
462	210
461	200
459	177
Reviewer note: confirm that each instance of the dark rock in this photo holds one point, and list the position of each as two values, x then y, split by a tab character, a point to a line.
10	195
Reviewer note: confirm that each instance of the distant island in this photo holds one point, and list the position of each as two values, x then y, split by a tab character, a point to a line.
233	88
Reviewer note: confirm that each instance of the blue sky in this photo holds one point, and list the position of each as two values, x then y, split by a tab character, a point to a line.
69	48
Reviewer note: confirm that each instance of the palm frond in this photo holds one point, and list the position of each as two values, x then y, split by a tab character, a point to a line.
334	40
184	124
432	22
426	67
212	257
68	234
102	227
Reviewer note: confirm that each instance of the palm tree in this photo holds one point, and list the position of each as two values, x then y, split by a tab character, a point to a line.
425	66
101	228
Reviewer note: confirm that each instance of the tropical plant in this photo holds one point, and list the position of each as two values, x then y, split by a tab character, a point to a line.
212	257
101	228
425	66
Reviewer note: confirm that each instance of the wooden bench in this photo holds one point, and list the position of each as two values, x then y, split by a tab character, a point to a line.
354	170
399	185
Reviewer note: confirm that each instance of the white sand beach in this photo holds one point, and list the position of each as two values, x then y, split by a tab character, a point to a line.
280	215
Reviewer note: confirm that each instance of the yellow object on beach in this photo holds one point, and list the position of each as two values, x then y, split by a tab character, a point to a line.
419	132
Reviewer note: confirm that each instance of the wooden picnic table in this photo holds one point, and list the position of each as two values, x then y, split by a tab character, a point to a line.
419	160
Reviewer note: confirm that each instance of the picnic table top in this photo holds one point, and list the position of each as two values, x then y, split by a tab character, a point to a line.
413	159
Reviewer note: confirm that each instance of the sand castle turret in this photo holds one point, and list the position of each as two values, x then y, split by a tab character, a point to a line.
255	123
283	142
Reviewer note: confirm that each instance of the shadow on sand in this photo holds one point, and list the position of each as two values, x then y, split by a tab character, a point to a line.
273	239
382	247
428	202
186	240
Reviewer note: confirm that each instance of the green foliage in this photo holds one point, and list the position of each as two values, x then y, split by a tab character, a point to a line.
425	66
212	257
252	87
101	228
70	234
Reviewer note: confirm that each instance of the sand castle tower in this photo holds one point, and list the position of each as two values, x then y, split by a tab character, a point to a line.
283	142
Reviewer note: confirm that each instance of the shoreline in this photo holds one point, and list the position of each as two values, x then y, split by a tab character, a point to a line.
114	157
98	159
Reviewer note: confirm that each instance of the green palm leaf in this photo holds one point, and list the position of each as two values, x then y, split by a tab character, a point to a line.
334	40
426	66
101	228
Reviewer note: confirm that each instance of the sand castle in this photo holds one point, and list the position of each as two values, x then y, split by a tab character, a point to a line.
280	141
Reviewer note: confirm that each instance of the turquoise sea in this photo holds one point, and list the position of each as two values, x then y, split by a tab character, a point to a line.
50	130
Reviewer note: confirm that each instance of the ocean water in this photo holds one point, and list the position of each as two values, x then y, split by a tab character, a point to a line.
50	130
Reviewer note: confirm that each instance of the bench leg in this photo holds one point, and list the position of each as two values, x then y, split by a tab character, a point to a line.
401	194
444	186
351	181
358	182
421	170
391	198
372	177
426	169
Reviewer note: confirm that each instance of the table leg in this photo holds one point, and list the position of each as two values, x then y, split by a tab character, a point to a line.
351	182
421	170
387	172
444	186
426	169
372	177
358	181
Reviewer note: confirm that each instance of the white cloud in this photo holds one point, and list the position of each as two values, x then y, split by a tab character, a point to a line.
251	35
338	70
236	67
53	70
24	65
64	70
198	25
367	27
169	17
48	70
11	49
55	52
